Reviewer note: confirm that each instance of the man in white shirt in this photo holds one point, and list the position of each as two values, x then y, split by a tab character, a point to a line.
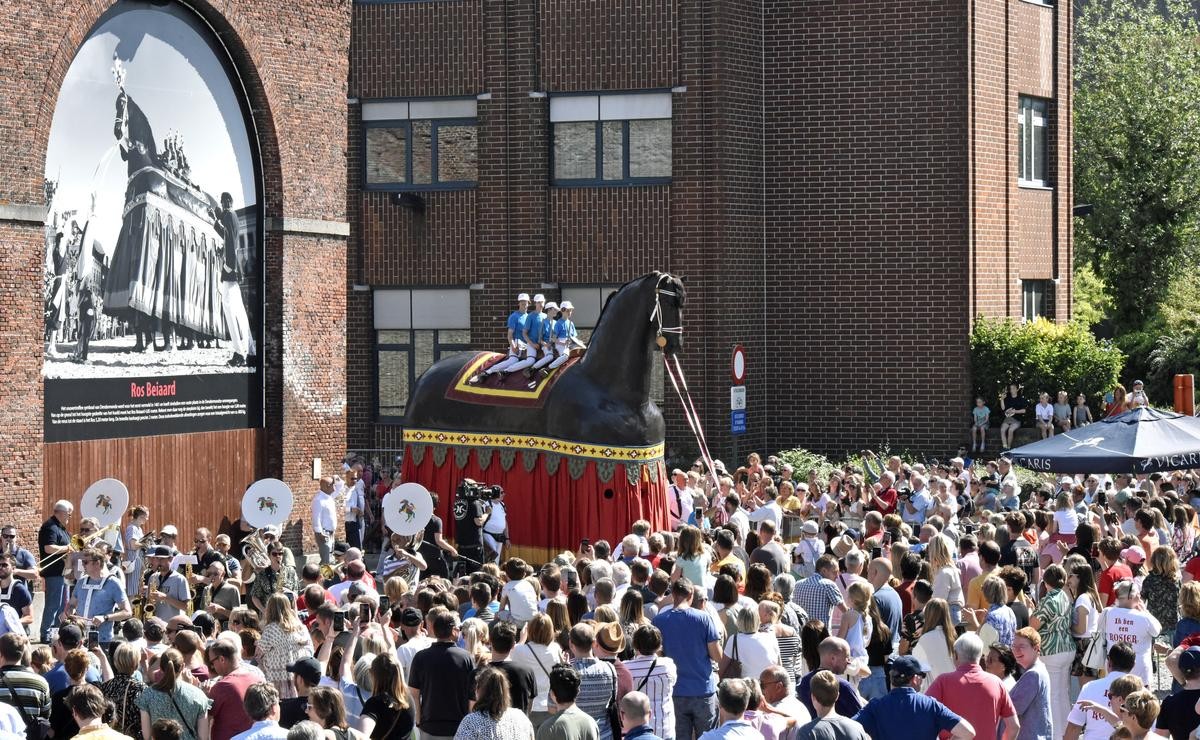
737	515
417	638
1089	724
324	518
262	704
679	499
919	503
495	527
356	504
770	510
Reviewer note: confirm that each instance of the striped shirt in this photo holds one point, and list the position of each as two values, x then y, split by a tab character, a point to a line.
597	688
659	687
1054	611
32	691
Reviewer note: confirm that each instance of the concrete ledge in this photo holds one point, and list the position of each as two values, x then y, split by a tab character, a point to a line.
28	213
308	226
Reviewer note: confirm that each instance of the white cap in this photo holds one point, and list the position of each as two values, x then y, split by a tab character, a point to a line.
551	305
169	530
539	298
810	527
1066	480
567	305
523	297
957	461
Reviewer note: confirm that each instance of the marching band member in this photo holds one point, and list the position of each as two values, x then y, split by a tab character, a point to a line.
99	596
233	569
566	337
136	543
13	591
516	331
219	597
531	334
24	563
277	577
168	590
55	540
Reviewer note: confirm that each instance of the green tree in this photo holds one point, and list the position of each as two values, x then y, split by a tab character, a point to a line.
1137	160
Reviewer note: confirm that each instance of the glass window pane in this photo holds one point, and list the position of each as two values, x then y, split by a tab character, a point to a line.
650	148
613	162
422	351
422	157
457	153
1039	154
393	337
454	336
1021	169
386	149
575	151
393	382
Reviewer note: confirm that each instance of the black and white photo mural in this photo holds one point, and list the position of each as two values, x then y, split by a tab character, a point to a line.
153	276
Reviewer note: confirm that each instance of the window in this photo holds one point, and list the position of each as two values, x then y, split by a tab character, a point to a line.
1033	298
1032	142
414	329
420	144
589	301
611	139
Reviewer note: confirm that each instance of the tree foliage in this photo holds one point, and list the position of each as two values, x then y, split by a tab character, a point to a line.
1041	356
1137	159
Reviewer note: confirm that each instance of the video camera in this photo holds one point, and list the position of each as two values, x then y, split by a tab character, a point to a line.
469	490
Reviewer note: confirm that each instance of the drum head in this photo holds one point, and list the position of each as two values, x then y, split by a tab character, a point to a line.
267	502
407	508
106	501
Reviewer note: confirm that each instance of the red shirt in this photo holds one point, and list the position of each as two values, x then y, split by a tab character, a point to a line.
1193	567
1109	578
889	497
905	590
975	695
228	713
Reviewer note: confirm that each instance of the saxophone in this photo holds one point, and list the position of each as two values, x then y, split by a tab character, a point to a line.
148	609
187	575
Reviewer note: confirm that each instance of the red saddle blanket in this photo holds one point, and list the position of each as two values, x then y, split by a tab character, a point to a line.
493	390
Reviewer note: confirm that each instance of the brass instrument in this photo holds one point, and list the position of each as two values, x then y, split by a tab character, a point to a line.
328	572
187	574
141	606
150	607
79	543
254	550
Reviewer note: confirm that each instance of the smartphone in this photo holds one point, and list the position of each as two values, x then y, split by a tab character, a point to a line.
339	621
384	603
583	544
93	639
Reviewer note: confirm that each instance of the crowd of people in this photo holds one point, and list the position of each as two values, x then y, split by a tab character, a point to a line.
883	600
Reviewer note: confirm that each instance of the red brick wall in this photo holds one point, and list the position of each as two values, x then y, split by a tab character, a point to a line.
869	223
295	77
1019	48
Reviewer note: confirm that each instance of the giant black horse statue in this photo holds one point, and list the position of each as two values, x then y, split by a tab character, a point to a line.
602	399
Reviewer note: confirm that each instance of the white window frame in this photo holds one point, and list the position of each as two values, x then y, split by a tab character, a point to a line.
1029	121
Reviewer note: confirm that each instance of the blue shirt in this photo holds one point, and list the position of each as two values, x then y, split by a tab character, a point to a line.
547	333
1031	698
564	329
107	592
516	324
906	715
734	729
644	732
686	634
58	679
892	611
533	327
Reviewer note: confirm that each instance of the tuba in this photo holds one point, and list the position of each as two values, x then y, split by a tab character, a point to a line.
254	550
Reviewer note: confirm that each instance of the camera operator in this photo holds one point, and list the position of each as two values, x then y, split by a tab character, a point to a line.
470	512
495	529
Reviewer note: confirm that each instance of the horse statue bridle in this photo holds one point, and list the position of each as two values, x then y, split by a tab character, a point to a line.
656	315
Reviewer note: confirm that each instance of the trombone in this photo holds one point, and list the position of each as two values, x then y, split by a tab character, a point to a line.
79	543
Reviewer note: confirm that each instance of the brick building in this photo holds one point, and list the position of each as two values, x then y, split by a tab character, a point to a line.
842	187
293	81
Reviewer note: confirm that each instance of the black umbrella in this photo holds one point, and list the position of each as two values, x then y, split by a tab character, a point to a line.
1143	440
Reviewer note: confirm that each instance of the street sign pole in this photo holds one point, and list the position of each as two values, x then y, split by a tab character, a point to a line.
737	398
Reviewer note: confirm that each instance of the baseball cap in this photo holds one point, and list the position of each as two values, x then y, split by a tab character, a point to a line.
308	669
907	666
1122	496
1134	554
810	527
551	306
523	297
70	636
340	547
539	298
1066	480
169	531
567	306
161	551
410	617
1189	660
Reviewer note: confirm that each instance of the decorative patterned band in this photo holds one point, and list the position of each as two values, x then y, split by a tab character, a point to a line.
534	444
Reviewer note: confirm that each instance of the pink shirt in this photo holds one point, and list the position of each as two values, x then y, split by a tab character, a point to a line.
978	697
969	567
